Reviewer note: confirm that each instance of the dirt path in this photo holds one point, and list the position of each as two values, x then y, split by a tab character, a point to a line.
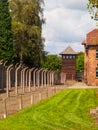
74	84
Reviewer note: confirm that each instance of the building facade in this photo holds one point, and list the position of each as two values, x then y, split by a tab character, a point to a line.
91	58
69	63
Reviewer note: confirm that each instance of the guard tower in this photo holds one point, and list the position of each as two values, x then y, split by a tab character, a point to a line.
69	63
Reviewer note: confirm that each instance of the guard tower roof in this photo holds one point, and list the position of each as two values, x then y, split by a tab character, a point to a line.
68	50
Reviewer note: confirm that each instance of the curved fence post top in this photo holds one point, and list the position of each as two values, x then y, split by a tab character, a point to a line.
25	68
40	69
53	72
5	63
1	62
9	66
22	66
16	65
49	71
35	69
32	69
45	70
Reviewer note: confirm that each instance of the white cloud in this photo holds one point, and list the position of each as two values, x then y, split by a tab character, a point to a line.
57	47
66	23
73	4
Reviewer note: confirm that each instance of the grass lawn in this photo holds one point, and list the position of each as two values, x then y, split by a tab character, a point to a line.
66	110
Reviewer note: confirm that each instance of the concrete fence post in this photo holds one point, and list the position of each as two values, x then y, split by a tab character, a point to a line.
53	77
48	78
30	71
32	98
45	77
10	77
5	109
40	96
39	77
23	80
16	75
20	102
22	68
2	74
7	80
27	76
42	79
34	78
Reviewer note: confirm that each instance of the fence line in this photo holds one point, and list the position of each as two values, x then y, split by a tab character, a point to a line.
21	86
13	104
22	76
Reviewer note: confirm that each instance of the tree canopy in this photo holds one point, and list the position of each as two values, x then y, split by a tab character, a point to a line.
6	36
52	62
27	20
93	3
92	6
80	62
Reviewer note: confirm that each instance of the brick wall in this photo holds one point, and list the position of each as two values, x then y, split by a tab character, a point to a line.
90	64
69	67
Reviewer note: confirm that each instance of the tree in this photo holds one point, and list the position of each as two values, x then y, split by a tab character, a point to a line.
27	23
93	3
80	62
52	62
92	7
6	37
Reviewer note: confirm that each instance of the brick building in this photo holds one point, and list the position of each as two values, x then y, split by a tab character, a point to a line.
69	63
91	58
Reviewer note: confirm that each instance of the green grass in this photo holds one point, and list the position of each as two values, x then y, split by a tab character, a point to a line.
66	110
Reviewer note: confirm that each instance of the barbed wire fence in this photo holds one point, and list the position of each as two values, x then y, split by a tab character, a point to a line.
21	86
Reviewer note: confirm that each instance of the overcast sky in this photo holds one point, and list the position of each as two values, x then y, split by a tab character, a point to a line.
67	22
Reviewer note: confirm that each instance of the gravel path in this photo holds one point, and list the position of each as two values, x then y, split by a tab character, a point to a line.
75	84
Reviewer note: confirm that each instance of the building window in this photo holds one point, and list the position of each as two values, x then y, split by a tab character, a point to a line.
70	57
73	57
63	56
67	57
96	72
97	54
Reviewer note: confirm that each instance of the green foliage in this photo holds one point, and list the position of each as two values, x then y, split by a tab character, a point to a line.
67	110
92	5
52	62
6	37
80	62
27	16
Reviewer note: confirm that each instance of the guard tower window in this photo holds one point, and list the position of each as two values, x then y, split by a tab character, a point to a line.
97	54
63	56
67	57
97	72
73	57
70	56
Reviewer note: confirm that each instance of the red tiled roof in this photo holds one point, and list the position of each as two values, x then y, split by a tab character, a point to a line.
68	50
91	38
84	42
